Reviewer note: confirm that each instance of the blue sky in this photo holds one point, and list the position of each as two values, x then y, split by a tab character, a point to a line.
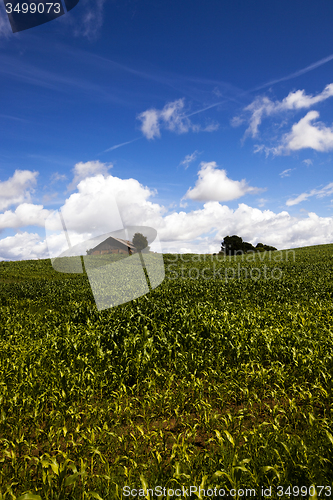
201	118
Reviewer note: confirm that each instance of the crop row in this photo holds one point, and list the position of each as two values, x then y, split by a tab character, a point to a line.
201	382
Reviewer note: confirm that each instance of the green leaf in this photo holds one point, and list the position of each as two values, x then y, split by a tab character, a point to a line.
229	437
218	473
71	479
93	494
329	435
29	496
267	468
240	467
55	467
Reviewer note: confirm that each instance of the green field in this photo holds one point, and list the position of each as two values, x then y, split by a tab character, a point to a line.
205	381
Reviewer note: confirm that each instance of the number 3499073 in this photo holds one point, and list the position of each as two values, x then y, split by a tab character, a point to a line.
33	8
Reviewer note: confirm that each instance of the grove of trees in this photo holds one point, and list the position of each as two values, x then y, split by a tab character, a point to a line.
234	245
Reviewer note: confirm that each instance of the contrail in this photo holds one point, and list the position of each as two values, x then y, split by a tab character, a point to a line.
120	145
297	73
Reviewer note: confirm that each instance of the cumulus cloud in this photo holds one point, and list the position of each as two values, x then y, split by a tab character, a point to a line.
213	184
103	201
150	123
318	193
306	134
93	204
25	214
17	188
187	232
102	204
172	117
23	246
182	230
262	107
299	100
90	168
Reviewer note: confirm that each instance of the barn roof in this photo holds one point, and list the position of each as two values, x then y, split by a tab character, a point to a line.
125	242
110	240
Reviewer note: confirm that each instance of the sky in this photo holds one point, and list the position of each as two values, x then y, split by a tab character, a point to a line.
198	118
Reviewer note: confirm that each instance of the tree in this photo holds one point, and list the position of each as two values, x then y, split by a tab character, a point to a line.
247	247
140	242
234	245
264	248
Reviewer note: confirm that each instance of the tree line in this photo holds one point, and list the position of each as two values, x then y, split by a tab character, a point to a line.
234	245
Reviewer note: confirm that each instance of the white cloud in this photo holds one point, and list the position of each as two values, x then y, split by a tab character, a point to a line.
212	127
172	117
189	159
90	168
150	123
286	173
214	185
260	147
132	199
304	134
91	211
307	162
319	193
260	107
299	199
25	214
185	232
55	177
262	202
299	100
17	189
237	121
23	246
102	204
263	106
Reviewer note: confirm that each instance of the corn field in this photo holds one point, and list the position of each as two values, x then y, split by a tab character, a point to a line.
219	383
